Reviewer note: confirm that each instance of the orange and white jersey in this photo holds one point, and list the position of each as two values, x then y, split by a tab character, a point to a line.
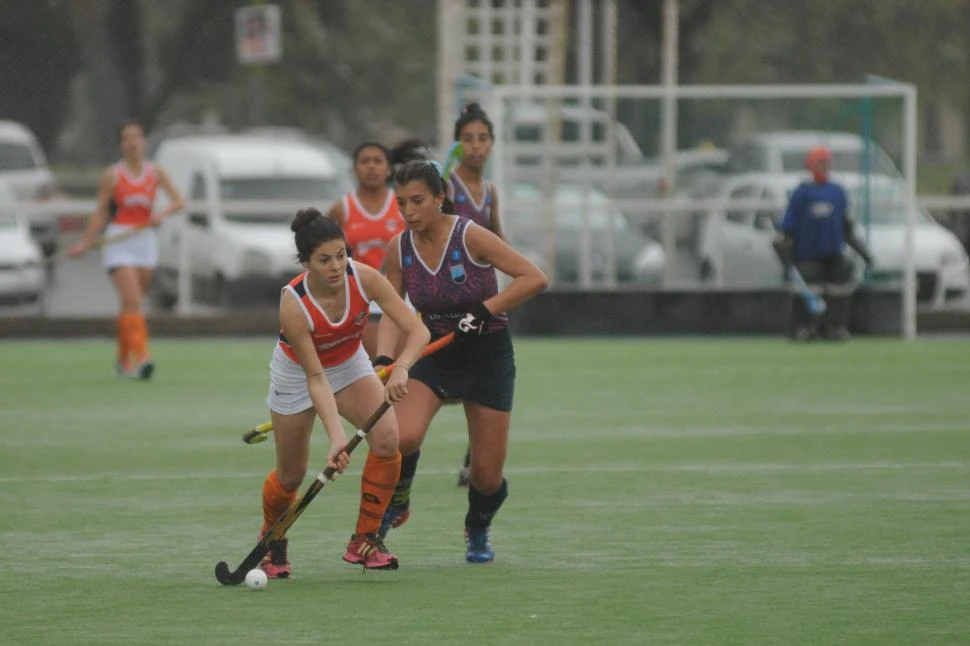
133	197
335	341
367	233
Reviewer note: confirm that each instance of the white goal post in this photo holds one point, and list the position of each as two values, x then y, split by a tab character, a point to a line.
499	98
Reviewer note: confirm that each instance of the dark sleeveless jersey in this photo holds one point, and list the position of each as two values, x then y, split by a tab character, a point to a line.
465	206
443	294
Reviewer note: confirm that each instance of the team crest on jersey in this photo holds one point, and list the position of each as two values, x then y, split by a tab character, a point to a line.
460	198
391	225
408	260
359	320
458	274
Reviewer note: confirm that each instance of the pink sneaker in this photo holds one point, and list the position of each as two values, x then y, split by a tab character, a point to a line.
369	550
275	564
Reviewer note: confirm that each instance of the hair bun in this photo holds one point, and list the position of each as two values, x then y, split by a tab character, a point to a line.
303	218
472	108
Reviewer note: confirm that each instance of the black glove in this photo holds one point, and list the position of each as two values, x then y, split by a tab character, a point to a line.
381	360
473	323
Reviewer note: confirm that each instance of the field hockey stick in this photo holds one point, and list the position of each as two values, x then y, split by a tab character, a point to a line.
104	241
815	304
455	152
260	432
290	516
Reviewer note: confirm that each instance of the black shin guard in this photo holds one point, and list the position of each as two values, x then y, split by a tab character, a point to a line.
482	508
402	492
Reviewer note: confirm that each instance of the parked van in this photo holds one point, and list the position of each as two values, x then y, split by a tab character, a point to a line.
238	256
24	171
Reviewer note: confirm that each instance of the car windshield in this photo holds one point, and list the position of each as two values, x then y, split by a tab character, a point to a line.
846	161
15	156
314	191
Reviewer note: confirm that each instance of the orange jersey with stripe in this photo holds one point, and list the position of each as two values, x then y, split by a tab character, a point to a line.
367	233
335	341
133	197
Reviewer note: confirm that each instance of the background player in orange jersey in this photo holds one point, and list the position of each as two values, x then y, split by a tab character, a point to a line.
319	368
125	198
370	218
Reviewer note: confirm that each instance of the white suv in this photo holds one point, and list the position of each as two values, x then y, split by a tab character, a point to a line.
745	258
235	256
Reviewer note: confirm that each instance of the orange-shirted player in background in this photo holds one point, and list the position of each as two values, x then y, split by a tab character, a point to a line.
319	368
126	195
370	218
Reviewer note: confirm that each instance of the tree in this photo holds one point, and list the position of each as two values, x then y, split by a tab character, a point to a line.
40	57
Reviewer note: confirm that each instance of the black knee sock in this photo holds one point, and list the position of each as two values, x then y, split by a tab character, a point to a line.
468	457
402	492
482	508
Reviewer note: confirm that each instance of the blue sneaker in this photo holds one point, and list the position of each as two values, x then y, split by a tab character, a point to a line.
394	517
478	545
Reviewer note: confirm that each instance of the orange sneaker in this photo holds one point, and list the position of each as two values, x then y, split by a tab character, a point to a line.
369	550
275	563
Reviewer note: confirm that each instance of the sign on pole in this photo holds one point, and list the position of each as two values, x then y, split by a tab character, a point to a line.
258	34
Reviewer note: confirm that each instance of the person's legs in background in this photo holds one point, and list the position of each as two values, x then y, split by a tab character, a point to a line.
803	326
838	275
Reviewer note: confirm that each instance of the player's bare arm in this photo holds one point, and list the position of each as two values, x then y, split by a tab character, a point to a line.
495	221
336	212
294	326
99	219
527	279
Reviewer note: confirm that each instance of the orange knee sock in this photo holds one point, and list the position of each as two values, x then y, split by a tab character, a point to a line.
132	337
139	337
376	487
276	499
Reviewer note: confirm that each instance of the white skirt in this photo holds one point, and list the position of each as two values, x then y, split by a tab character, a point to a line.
139	250
288	391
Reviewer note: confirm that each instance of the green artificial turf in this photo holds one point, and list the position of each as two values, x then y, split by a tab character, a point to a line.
662	492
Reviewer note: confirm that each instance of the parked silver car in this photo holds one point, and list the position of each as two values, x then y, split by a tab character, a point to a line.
550	233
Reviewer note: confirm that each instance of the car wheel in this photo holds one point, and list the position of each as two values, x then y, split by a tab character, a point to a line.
706	272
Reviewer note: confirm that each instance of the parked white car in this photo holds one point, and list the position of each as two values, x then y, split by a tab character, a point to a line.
238	256
24	171
22	271
784	152
746	259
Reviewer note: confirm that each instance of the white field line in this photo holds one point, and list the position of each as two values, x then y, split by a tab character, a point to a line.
704	467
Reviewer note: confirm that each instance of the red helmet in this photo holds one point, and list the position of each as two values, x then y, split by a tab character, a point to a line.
816	155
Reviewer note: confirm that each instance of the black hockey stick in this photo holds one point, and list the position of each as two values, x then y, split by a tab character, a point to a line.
284	522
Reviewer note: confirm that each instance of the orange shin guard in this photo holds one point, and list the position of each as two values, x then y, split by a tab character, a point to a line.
276	499
139	337
376	487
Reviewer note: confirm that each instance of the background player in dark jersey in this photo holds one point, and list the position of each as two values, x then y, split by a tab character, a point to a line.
474	197
815	228
446	265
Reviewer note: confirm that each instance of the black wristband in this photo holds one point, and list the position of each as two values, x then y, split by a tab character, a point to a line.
480	311
381	360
